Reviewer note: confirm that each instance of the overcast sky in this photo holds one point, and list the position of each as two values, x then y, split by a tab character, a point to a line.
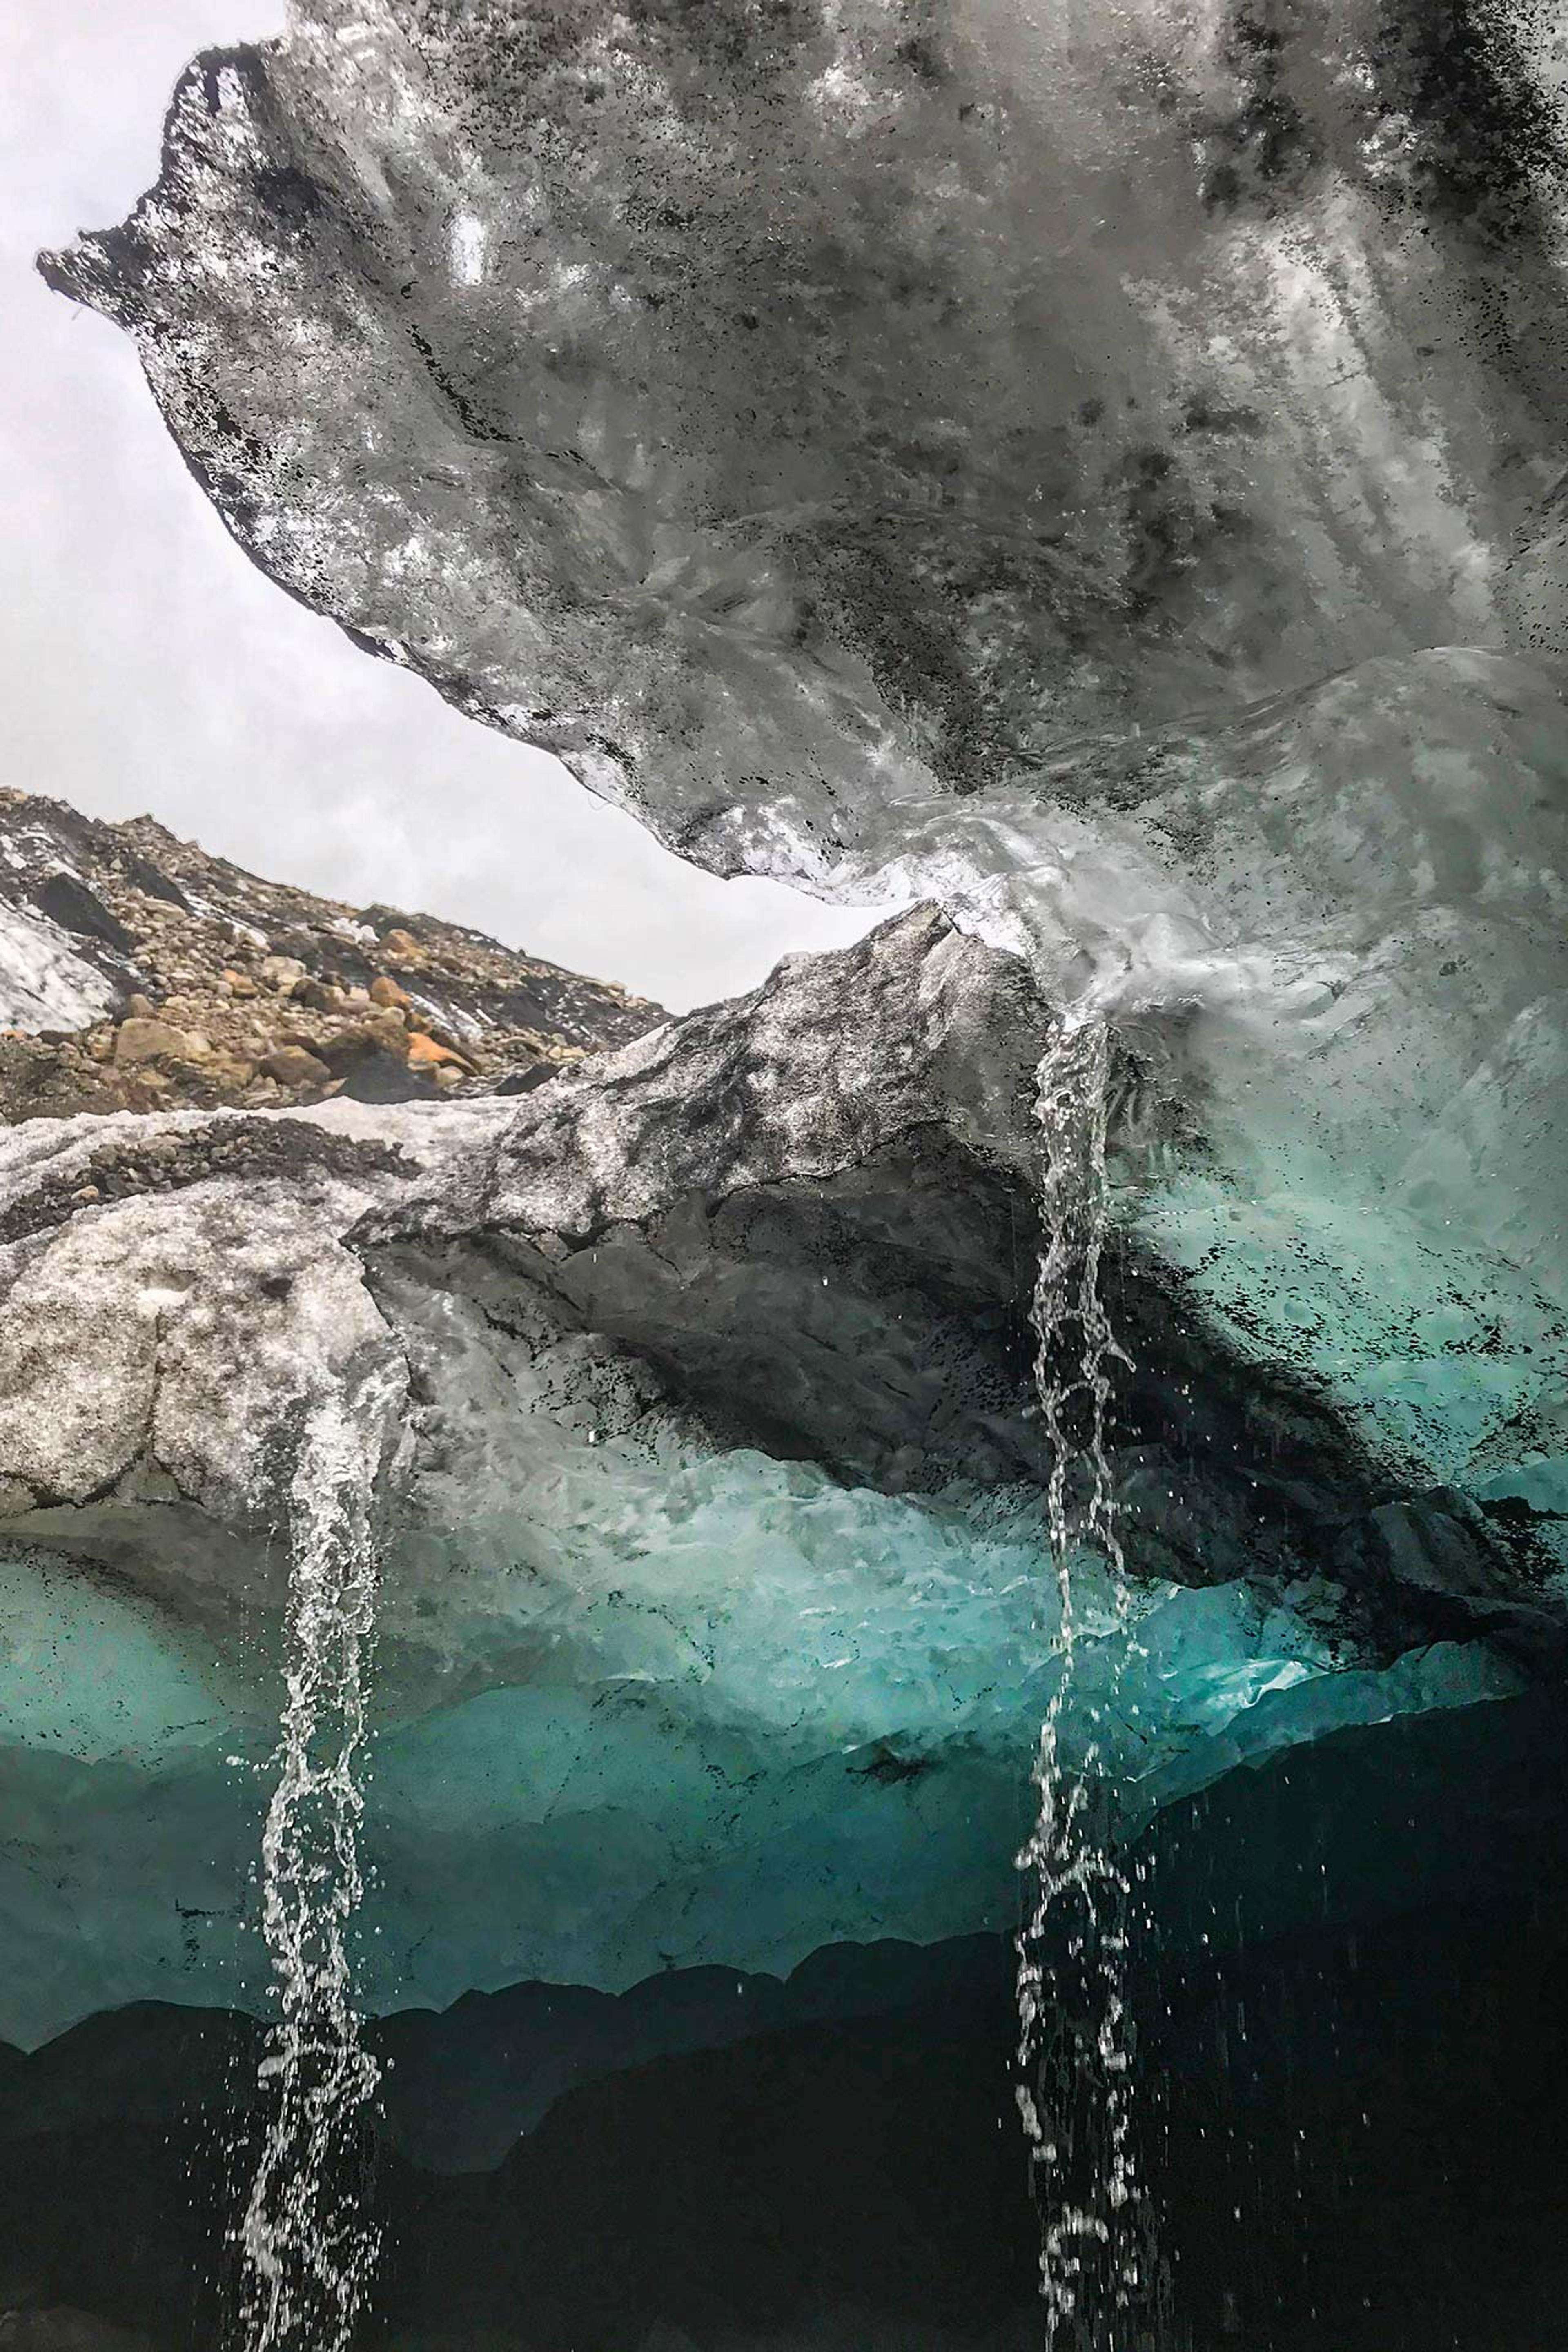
144	665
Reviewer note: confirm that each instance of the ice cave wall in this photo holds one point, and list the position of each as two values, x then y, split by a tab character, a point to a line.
819	408
713	1623
1096	469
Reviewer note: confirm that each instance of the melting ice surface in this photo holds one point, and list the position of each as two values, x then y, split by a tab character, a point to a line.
1099	467
639	1709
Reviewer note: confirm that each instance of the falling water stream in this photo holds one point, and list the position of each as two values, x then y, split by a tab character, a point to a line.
308	2245
1074	2081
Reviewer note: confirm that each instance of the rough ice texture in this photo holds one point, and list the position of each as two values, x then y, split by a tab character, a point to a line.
44	982
1100	470
836	1058
1096	469
830	405
715	1619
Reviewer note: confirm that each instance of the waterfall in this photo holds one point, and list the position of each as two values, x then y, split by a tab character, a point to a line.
308	2245
1074	2082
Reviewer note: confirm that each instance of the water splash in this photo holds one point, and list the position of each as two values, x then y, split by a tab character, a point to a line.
1074	2081
309	2247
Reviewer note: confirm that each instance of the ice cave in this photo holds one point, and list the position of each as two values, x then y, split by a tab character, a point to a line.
879	1668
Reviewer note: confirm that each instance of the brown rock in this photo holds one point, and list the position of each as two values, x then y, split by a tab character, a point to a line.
345	1046
318	995
206	967
282	973
425	1054
293	1066
140	1039
447	1037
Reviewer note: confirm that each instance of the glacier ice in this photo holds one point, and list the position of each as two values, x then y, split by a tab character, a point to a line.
814	407
702	398
749	1713
1097	471
714	1617
44	984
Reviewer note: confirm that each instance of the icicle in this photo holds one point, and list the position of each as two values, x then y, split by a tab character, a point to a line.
309	2247
1075	2082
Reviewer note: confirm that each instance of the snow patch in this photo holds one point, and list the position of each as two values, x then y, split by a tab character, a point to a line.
44	984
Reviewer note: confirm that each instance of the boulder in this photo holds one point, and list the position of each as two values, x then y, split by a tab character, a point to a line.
295	1065
281	973
152	1040
426	1053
